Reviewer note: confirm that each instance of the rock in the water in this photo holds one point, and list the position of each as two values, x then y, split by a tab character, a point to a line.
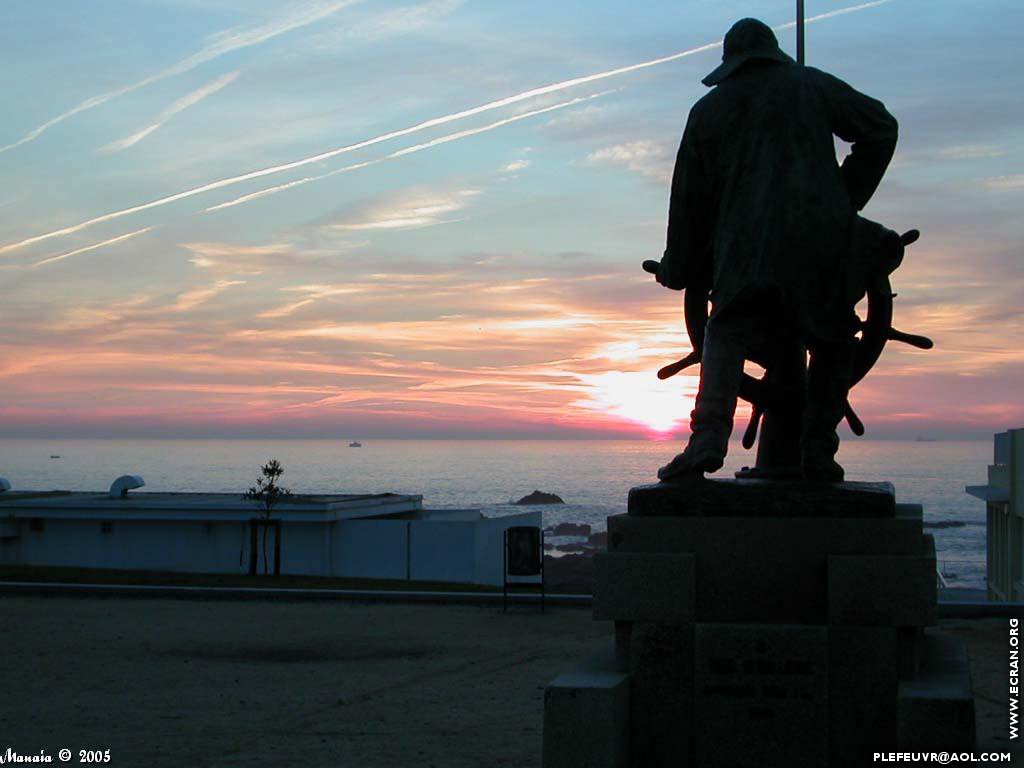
539	497
577	548
570	529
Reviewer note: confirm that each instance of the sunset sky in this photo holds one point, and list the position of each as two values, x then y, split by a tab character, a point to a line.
370	218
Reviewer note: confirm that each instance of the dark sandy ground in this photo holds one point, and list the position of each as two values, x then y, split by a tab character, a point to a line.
193	683
988	646
196	683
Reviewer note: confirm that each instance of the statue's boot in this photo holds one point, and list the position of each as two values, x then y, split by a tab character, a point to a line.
698	457
828	377
711	421
822	469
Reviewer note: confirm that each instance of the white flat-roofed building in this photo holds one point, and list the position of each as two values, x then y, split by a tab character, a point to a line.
1004	505
380	536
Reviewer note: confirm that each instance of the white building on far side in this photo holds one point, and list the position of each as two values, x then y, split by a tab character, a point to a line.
380	536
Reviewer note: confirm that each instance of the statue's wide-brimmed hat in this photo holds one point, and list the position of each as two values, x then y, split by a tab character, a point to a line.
747	40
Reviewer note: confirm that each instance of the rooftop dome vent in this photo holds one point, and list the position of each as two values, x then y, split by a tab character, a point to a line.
5	484
120	487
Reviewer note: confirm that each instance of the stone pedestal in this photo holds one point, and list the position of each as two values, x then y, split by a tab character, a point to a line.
588	707
762	623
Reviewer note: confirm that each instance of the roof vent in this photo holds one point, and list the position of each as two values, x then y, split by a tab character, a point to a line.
120	487
5	484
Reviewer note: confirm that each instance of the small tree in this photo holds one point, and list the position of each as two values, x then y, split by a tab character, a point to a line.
267	493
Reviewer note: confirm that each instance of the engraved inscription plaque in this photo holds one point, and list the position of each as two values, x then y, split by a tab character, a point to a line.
760	691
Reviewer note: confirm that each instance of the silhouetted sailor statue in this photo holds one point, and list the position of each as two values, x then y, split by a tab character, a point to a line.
763	222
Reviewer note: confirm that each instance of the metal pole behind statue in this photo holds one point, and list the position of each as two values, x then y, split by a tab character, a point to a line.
800	32
778	450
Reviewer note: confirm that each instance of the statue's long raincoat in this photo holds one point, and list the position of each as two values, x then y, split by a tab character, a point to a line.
759	199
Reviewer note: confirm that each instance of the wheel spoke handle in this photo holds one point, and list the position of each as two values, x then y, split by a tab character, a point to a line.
856	425
921	342
672	369
751	433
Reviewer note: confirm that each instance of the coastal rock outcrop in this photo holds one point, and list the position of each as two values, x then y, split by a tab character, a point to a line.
540	497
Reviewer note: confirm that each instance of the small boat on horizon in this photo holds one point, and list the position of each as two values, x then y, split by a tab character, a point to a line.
54	456
355	444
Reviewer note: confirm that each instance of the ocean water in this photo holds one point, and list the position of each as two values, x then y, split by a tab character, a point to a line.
592	476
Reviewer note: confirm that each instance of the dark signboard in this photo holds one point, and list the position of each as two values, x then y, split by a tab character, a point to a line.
524	551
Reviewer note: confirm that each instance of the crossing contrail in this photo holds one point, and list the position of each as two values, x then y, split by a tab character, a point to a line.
402	152
221	43
92	247
180	105
425	125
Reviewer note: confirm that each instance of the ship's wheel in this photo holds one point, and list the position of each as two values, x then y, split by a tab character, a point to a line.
775	393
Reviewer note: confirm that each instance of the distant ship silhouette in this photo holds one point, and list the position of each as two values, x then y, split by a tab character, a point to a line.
355	444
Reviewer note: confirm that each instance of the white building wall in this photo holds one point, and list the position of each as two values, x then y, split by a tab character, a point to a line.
10	542
372	549
454	515
442	551
463	552
132	545
305	549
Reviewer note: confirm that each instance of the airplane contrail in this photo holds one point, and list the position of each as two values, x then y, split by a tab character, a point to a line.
426	124
288	185
297	182
222	43
407	151
92	247
189	99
